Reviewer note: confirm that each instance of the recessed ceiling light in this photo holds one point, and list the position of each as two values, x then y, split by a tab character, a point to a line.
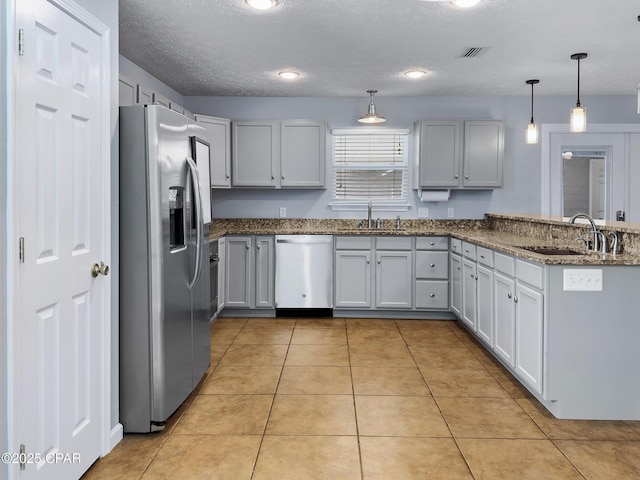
262	4
465	3
415	73
289	75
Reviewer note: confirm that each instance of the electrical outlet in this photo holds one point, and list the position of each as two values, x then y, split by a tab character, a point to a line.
283	212
555	233
450	213
582	280
423	212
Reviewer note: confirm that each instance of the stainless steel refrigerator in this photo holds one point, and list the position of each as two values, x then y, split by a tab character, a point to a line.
165	212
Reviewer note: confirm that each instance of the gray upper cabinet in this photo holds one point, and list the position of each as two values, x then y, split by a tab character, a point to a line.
302	154
161	100
439	163
278	154
483	153
145	95
255	154
126	92
460	153
219	138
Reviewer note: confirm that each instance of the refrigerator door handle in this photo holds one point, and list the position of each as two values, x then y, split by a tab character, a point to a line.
193	170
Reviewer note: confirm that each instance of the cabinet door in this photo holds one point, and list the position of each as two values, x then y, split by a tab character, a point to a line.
439	160
222	268
145	95
529	325
239	268
161	100
302	154
484	294
469	281
505	318
126	92
219	138
353	279
394	285
456	284
483	153
255	154
264	273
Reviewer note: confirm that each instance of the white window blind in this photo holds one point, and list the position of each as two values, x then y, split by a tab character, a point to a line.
370	165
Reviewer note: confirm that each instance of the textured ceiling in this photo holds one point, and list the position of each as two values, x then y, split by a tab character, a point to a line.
344	47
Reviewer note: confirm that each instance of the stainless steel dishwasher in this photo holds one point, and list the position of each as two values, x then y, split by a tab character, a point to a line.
304	272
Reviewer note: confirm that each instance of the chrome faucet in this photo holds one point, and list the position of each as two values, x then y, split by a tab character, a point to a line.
615	247
594	230
369	220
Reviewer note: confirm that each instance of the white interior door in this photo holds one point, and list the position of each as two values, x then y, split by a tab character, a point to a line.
62	213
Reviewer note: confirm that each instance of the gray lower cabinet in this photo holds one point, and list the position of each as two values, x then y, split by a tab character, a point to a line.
353	279
432	273
504	334
455	266
469	298
394	279
529	333
250	272
484	294
374	272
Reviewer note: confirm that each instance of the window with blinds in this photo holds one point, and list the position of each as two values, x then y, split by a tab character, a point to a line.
370	165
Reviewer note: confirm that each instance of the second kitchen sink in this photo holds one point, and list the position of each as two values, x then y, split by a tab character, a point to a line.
550	250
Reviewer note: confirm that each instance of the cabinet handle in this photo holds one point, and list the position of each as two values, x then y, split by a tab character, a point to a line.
433	265
476	277
472	275
508	295
432	295
258	246
466	177
227	177
466	250
481	256
368	260
282	177
515	299
432	243
246	245
379	261
458	268
456	177
272	177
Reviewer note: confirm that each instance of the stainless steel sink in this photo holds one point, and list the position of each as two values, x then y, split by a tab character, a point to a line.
550	250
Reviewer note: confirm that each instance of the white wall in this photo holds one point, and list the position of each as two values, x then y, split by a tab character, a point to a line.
521	180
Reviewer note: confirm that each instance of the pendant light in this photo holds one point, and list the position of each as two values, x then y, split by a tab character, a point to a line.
371	116
532	128
578	122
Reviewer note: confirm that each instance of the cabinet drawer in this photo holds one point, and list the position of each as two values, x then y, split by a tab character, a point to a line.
353	243
485	256
432	294
432	243
393	243
456	245
529	273
469	250
432	264
505	264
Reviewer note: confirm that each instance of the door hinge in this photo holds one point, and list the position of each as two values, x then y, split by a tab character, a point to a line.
21	249
21	41
22	457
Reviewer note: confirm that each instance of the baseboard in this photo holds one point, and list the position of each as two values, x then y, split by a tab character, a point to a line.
116	435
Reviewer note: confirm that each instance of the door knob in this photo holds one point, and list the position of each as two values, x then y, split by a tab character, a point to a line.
101	269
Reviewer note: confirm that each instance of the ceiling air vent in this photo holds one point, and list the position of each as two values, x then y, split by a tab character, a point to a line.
473	52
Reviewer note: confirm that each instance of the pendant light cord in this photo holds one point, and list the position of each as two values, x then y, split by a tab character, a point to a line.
531	102
578	102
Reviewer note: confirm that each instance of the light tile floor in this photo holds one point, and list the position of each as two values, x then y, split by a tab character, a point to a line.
365	399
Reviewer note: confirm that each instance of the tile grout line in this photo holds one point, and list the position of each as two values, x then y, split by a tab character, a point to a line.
273	401
355	408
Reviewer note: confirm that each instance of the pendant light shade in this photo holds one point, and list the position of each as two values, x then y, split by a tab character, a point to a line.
578	121
371	116
532	128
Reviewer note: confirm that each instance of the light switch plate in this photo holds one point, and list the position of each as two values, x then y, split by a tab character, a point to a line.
582	280
283	212
450	213
423	212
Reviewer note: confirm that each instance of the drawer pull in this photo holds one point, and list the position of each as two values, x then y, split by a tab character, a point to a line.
481	256
515	299
508	295
433	265
432	243
432	295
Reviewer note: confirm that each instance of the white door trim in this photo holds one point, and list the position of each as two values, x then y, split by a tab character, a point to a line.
92	23
546	165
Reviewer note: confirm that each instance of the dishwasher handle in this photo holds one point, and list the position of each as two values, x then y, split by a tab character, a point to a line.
305	241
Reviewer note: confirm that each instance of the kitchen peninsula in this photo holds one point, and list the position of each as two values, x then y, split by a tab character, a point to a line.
564	325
